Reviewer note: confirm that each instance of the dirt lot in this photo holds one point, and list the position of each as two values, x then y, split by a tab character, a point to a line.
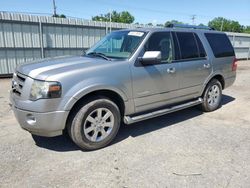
183	149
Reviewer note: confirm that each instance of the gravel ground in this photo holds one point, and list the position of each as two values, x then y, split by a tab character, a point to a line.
183	149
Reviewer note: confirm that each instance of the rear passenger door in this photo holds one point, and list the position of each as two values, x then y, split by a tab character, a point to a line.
194	64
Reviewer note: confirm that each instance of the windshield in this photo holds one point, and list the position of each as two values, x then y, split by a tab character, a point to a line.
117	45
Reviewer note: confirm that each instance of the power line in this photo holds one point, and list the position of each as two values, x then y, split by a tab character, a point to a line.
193	17
161	11
21	12
152	10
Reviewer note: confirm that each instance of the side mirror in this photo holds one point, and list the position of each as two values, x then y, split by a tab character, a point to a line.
150	58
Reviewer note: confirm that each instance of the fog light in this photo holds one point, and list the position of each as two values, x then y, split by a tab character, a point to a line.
30	119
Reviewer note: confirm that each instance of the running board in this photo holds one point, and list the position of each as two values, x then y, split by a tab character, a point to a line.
134	119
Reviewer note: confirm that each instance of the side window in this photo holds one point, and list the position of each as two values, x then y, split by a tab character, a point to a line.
188	46
202	51
161	41
220	44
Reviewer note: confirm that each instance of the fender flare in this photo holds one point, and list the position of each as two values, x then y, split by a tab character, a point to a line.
87	90
209	79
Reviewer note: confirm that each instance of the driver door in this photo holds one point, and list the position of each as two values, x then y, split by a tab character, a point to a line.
156	84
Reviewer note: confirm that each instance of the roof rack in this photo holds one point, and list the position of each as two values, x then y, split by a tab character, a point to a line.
189	26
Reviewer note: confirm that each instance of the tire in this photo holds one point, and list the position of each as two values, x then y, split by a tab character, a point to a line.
95	124
212	96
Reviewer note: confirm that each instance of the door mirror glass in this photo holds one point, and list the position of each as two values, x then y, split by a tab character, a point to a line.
150	57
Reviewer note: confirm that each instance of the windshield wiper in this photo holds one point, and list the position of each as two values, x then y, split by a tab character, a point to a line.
98	54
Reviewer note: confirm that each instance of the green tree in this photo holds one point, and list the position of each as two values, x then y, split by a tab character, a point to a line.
223	24
121	17
126	17
246	29
172	22
159	25
59	16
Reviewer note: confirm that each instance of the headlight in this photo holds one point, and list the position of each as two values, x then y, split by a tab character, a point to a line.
45	90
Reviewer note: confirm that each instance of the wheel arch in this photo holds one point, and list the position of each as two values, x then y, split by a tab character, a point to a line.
218	77
110	94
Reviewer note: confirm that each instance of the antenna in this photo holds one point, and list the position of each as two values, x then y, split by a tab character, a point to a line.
54	7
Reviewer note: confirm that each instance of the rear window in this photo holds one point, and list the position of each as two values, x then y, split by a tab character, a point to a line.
220	44
188	46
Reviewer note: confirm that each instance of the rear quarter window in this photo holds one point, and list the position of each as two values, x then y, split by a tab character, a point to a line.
188	45
220	44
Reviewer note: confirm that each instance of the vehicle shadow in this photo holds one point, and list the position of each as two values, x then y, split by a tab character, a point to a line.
164	121
226	99
63	143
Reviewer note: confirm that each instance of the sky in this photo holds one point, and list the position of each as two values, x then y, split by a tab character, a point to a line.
156	11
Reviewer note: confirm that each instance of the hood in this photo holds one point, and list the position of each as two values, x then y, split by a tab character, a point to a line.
42	69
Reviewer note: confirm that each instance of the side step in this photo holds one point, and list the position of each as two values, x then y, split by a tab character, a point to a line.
134	119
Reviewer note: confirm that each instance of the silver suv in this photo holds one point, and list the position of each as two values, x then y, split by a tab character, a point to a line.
128	76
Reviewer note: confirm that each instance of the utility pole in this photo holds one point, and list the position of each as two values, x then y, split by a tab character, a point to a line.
222	23
110	14
193	17
54	7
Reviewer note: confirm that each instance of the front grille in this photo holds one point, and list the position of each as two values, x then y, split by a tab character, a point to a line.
22	78
18	83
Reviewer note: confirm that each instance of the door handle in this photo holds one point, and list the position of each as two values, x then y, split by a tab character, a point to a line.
206	65
171	70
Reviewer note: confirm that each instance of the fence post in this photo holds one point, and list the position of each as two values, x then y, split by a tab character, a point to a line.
41	37
106	24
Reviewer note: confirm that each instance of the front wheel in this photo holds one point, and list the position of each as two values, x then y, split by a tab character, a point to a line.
212	96
96	124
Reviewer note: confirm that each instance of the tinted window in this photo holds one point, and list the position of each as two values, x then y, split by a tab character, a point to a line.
220	44
188	45
161	41
202	51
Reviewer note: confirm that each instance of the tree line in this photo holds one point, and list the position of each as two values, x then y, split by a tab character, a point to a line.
218	23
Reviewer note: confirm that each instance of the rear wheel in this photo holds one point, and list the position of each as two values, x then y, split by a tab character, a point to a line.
96	124
212	96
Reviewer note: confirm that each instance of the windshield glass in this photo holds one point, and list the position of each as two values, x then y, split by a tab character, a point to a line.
118	45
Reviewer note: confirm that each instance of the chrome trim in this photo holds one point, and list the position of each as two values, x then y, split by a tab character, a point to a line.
18	83
130	120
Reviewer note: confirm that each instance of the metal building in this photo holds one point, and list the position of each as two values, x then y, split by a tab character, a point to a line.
24	38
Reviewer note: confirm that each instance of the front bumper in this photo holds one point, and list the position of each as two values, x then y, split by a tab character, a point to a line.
47	124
